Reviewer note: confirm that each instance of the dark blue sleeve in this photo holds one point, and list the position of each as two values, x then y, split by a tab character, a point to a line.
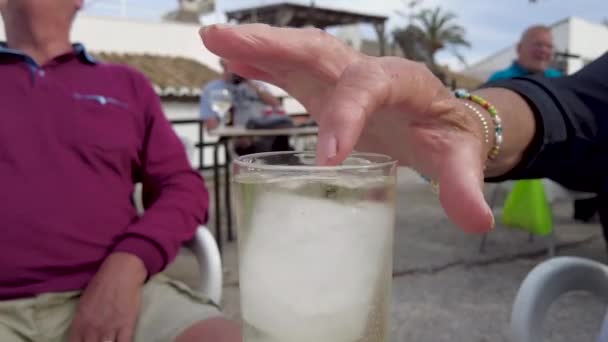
571	142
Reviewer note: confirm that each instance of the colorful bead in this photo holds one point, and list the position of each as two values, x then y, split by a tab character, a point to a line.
434	184
498	133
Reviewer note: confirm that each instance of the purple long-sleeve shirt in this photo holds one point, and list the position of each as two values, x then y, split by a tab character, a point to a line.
75	135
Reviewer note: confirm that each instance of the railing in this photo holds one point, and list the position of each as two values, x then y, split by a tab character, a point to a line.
200	144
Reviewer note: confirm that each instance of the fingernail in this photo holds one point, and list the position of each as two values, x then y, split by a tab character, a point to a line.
208	28
328	148
204	29
493	224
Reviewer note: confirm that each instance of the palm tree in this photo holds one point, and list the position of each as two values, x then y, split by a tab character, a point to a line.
441	32
411	41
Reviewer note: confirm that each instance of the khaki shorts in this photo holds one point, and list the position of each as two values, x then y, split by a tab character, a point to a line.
168	308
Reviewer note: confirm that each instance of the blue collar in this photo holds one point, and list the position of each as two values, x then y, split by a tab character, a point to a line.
79	51
519	70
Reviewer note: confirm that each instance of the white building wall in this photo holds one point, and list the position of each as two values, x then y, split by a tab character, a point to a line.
122	35
110	34
590	40
485	68
562	35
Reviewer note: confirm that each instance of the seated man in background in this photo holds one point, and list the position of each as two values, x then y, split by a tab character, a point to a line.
534	55
76	261
251	101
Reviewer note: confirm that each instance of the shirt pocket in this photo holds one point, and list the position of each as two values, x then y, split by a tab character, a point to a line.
101	122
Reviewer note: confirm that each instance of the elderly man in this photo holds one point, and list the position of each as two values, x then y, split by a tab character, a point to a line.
76	262
534	55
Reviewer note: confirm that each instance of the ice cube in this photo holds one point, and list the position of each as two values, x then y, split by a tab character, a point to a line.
310	266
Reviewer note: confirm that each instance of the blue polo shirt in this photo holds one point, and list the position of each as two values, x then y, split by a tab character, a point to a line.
516	70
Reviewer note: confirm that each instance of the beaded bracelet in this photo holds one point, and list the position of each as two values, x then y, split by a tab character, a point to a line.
434	184
465	95
495	150
484	122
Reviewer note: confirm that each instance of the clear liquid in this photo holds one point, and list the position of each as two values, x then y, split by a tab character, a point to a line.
315	258
220	107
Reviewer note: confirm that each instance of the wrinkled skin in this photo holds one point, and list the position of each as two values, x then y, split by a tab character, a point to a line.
388	105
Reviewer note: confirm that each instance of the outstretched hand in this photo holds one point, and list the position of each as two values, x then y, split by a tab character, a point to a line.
388	105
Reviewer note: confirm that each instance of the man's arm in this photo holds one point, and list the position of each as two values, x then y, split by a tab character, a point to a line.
264	94
175	196
176	202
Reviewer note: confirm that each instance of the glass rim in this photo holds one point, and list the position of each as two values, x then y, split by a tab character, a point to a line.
388	161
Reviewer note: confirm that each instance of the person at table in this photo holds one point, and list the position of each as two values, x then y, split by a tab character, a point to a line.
250	100
545	128
77	263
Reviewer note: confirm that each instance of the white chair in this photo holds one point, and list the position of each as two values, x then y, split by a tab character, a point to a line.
207	254
545	284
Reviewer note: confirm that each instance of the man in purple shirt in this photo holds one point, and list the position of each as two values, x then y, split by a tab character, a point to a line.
76	261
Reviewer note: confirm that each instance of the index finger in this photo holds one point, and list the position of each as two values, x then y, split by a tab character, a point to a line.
278	50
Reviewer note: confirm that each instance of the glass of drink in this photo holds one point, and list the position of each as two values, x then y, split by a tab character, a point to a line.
315	247
221	101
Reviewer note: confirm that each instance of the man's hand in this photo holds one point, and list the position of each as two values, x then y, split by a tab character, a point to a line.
109	306
212	123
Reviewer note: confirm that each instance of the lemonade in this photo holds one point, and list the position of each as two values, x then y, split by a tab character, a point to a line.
315	256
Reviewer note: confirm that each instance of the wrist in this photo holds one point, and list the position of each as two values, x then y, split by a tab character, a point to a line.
127	265
519	127
488	122
484	127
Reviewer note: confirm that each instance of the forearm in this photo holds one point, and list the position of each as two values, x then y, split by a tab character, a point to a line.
265	96
132	266
519	128
268	99
174	209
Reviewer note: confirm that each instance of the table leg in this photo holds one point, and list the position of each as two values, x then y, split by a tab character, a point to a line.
227	188
201	150
216	188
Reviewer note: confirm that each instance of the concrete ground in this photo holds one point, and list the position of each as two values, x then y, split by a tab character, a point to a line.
444	289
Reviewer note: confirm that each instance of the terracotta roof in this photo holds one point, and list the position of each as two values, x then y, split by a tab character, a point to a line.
183	16
171	76
300	15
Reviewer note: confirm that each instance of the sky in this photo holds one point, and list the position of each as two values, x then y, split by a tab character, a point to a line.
491	24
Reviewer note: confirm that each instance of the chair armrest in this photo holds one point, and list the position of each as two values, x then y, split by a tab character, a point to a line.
207	254
545	284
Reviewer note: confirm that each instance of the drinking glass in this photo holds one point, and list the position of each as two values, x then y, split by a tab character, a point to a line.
221	101
315	247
